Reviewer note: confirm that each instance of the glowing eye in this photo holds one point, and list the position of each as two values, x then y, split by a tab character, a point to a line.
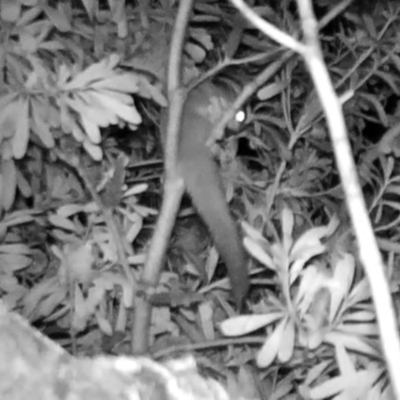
240	116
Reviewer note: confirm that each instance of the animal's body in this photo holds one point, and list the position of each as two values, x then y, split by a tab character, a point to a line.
204	106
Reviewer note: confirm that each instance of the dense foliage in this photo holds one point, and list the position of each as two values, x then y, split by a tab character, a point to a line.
80	186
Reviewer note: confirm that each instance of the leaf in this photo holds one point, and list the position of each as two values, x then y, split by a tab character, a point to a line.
316	371
41	290
81	314
13	292
287	221
17	218
23	185
196	53
388	78
389	141
21	135
373	100
136	226
8	122
309	245
58	18
96	295
288	341
93	150
69	210
350	342
361	329
113	190
122	82
255	250
150	91
313	237
343	275
203	37
345	364
67	119
30	14
136	189
128	292
50	303
91	129
61	222
78	261
246	384
206	317
87	104
13	262
91	7
269	350
269	91
15	248
40	124
10	10
329	388
351	386
359	316
312	109
95	72
109	100
103	324
9	181
245	324
359	293
312	281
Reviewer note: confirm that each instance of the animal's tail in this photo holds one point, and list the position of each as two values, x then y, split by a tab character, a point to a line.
203	184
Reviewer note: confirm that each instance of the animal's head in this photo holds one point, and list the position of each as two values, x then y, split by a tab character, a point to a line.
214	99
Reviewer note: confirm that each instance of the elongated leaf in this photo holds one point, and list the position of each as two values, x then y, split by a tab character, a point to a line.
8	122
93	150
91	129
345	363
351	342
58	17
268	351
88	105
126	83
9	181
41	125
124	112
95	72
245	324
21	136
15	248
13	262
288	340
255	249
287	220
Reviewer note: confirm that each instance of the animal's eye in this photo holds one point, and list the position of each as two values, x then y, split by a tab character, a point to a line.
240	116
236	123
